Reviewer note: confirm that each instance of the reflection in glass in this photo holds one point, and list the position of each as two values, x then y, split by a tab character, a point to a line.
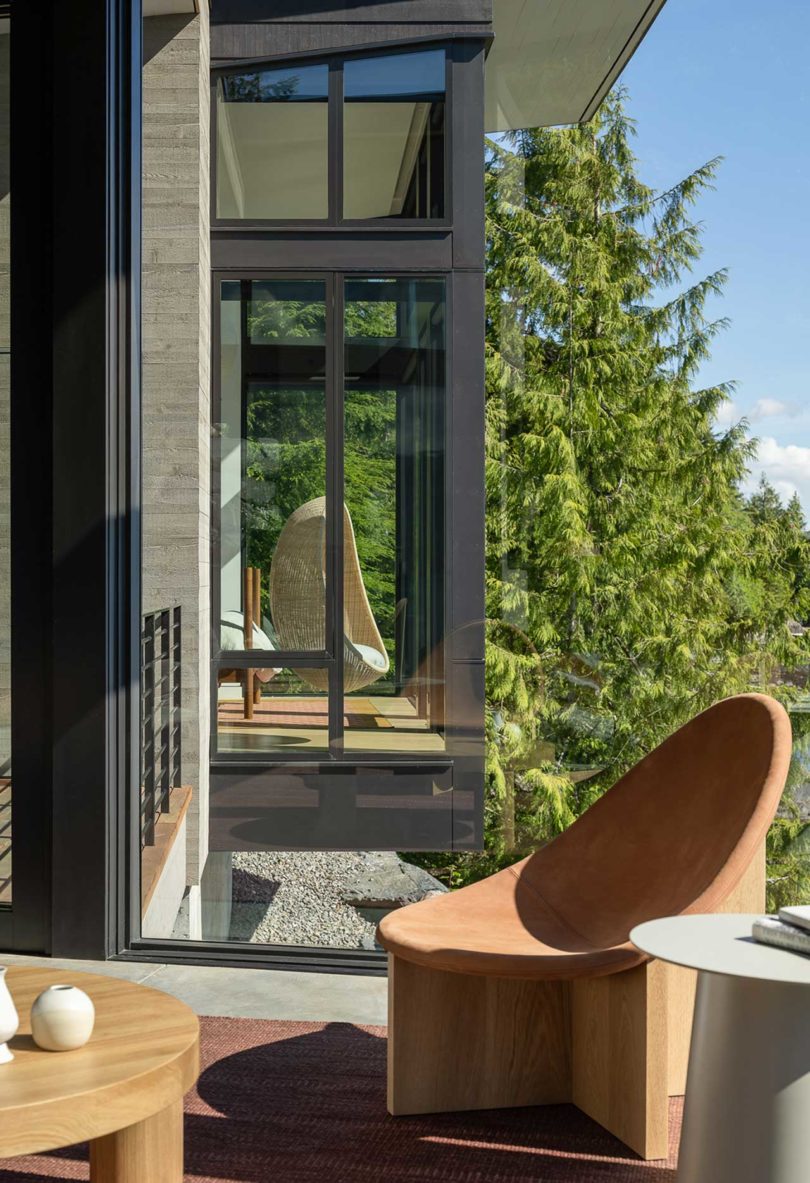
393	118
394	492
272	465
272	143
288	710
5	472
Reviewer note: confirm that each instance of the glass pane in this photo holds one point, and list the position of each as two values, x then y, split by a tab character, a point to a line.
394	523
5	474
272	465
250	830
393	122
272	709
272	144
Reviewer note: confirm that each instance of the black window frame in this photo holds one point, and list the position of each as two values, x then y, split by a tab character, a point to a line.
330	658
335	143
76	514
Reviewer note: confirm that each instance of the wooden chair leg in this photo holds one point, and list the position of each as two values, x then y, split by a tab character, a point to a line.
619	1042
458	1041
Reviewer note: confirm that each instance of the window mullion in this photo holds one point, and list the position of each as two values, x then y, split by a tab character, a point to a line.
335	499
335	141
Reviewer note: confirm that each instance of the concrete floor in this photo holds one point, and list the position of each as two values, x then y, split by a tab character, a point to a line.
246	993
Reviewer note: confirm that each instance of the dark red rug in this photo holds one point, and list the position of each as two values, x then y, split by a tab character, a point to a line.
305	1103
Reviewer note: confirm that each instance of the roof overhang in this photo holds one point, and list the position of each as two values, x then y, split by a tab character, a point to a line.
171	7
553	61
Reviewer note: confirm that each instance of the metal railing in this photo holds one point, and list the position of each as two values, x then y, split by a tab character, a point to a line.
160	715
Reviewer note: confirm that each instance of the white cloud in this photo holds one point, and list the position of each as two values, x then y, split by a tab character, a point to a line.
787	467
728	413
770	408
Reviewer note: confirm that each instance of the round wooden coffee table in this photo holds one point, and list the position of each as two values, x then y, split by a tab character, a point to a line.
122	1092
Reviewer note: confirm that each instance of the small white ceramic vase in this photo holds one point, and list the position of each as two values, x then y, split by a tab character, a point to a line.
62	1019
9	1019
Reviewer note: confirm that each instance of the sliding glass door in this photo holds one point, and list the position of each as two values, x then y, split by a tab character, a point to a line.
6	886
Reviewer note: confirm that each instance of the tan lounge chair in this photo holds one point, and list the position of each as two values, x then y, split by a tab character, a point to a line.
524	989
297	599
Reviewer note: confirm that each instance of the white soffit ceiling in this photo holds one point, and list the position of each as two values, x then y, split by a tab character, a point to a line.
170	7
553	61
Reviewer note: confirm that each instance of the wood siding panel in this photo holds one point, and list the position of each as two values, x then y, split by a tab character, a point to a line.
176	332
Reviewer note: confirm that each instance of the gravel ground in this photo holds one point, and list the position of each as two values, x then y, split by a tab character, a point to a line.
297	899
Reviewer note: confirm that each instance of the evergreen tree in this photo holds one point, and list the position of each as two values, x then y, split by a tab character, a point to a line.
628	584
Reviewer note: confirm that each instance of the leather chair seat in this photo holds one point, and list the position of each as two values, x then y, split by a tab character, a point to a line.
500	927
674	835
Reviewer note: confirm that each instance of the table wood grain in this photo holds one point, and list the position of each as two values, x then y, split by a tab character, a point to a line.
124	1087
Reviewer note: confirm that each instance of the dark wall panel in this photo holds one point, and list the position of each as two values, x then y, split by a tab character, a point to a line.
341	12
467	160
467	526
260	28
345	251
238	42
378	807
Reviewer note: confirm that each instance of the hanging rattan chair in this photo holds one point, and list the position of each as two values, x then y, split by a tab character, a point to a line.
298	598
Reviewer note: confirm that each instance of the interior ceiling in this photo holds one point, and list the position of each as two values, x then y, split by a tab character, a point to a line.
553	61
259	187
377	138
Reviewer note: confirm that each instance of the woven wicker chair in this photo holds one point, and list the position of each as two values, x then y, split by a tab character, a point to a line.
298	599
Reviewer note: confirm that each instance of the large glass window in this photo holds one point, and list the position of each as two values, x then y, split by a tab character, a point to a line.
272	465
394	491
5	470
274	148
393	136
272	144
282	550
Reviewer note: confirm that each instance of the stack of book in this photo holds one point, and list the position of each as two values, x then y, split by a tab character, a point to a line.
789	930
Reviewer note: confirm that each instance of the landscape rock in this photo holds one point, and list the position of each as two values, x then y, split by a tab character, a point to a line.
388	882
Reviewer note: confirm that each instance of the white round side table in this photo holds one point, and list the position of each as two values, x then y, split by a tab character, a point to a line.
747	1109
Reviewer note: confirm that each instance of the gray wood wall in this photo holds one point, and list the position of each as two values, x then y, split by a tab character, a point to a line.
176	371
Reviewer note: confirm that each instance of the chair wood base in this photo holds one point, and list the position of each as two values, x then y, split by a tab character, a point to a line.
150	1151
463	1042
619	1051
616	1046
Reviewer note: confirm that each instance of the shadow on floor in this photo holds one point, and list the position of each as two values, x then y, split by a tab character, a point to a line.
305	1103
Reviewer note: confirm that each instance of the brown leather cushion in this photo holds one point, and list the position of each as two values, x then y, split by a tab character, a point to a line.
674	835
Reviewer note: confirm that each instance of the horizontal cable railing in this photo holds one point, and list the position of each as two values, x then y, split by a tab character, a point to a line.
160	715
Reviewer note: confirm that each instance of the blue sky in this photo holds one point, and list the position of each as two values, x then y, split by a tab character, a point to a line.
731	78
